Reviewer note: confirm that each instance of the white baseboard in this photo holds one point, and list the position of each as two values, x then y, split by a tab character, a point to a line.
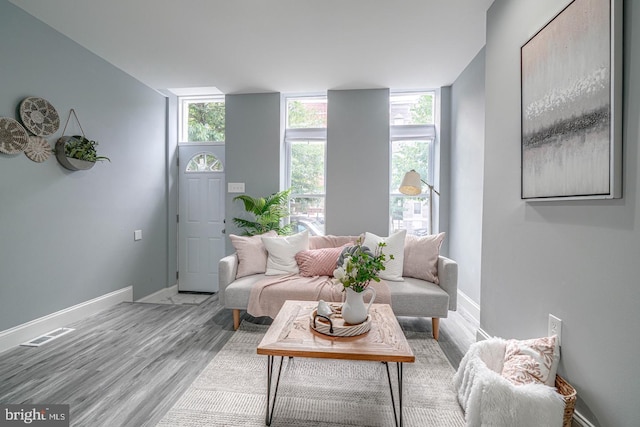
579	420
162	294
482	335
22	333
469	305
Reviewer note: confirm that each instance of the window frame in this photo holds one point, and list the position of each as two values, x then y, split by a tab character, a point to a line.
419	133
204	153
183	116
292	135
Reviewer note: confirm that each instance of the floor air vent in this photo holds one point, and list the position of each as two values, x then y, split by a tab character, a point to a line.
49	336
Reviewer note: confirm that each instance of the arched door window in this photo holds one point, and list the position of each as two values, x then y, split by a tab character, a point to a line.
204	162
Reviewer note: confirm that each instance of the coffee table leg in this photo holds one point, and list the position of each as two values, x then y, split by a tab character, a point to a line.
397	415
270	405
399	366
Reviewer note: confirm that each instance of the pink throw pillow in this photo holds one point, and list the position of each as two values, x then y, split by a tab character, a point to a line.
318	262
421	257
531	361
252	255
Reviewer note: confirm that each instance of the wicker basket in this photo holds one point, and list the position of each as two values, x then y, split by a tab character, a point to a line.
569	395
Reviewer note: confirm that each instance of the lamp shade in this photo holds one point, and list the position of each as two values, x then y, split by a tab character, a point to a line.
411	184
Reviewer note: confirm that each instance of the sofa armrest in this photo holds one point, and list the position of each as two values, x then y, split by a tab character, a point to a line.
448	277
227	270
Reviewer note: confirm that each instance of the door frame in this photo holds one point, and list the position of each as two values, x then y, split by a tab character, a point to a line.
182	162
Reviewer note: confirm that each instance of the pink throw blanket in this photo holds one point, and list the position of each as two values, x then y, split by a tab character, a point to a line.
269	294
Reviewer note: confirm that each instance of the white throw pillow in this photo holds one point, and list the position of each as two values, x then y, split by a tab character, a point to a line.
282	252
532	361
394	246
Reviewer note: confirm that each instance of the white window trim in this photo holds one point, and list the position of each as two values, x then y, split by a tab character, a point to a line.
200	154
394	192
411	132
302	134
312	136
305	134
415	133
183	117
426	132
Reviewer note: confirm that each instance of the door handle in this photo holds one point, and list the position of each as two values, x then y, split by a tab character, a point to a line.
224	231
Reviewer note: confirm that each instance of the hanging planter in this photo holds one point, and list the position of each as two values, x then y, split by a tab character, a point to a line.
77	152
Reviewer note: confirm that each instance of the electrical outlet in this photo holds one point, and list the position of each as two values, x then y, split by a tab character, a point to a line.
137	235
555	327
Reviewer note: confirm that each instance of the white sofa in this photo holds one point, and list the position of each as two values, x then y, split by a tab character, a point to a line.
411	297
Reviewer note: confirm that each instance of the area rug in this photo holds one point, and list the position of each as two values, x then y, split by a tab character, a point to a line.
231	391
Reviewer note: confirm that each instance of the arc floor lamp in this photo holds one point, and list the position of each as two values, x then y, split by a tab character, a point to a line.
411	186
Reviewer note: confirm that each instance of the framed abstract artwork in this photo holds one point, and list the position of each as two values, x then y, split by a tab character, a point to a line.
571	73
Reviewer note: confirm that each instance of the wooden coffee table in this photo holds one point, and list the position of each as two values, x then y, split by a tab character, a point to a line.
290	335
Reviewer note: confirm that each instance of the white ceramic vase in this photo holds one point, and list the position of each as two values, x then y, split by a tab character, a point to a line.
353	310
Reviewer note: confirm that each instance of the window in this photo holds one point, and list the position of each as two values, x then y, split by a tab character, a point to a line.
201	119
305	142
412	135
307	113
204	162
412	108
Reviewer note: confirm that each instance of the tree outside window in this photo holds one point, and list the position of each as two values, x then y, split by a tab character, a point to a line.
202	119
411	108
305	113
305	138
409	212
412	135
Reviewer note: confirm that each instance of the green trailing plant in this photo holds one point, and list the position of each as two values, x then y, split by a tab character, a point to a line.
81	148
268	213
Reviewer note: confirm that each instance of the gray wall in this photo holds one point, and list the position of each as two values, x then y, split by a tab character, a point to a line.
172	185
357	162
441	166
357	154
252	149
575	259
67	237
467	154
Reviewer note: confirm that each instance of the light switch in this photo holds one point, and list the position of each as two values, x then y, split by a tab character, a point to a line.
137	235
235	187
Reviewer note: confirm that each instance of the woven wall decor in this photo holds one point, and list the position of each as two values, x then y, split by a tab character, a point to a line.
39	116
13	137
38	149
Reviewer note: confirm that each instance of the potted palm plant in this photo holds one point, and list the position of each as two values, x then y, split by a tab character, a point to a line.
266	213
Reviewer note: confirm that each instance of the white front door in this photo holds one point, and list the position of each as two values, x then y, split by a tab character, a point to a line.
201	197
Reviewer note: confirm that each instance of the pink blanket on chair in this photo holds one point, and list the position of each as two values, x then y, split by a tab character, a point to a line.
269	294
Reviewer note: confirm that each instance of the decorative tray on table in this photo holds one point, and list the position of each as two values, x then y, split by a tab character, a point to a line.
335	325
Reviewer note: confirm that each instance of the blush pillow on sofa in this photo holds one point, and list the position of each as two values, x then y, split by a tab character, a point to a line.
252	255
318	262
394	246
421	257
282	250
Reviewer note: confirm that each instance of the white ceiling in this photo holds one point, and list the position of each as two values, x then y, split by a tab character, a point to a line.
242	46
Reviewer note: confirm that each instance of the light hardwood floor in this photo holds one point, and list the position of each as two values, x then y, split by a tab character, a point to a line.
126	366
